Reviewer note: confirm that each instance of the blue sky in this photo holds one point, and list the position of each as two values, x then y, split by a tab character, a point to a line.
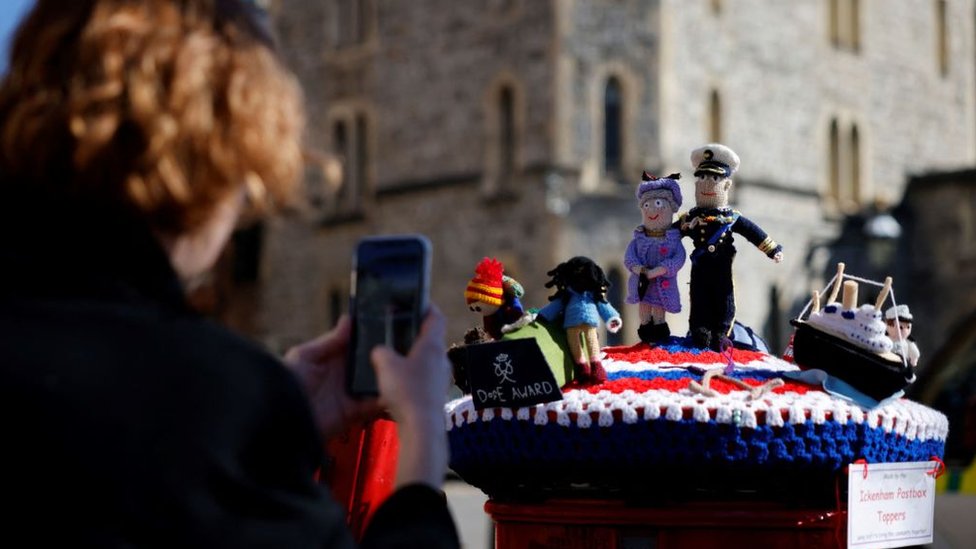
11	12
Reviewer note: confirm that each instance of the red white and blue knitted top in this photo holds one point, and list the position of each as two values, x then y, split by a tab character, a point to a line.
656	420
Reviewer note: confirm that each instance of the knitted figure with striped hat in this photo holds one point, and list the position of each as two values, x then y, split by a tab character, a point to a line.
654	256
495	296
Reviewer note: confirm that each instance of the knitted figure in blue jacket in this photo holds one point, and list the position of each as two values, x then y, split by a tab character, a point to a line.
581	301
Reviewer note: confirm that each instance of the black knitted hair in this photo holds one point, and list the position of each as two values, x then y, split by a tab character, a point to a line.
580	274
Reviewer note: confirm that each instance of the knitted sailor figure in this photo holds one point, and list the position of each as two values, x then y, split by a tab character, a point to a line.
495	296
710	225
902	343
654	256
581	300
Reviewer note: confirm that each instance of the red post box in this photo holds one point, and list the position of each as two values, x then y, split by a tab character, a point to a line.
362	469
590	524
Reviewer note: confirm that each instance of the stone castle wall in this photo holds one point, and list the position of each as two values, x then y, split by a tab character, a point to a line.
425	76
781	81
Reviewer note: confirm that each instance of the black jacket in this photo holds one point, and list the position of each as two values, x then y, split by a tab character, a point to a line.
127	420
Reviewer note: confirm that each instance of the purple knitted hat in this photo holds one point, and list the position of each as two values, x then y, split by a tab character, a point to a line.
669	183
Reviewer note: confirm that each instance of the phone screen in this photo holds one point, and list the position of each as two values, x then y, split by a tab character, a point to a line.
389	300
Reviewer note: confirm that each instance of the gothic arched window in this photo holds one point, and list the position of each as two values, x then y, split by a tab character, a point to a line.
844	190
340	147
844	23
833	163
506	133
613	127
942	36
854	154
715	117
361	172
354	22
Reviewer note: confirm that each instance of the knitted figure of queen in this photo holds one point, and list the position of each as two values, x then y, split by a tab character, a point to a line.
654	256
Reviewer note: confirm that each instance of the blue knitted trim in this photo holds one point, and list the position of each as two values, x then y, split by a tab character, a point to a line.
504	444
682	373
676	344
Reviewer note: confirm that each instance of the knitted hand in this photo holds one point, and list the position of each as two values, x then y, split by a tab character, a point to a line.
512	286
778	257
614	324
656	272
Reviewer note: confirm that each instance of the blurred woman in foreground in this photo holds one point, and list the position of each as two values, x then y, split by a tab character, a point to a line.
133	135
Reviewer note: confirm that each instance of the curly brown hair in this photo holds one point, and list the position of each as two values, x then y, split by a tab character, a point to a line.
164	107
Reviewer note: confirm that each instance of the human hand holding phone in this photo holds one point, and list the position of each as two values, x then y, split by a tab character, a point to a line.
413	389
398	353
320	365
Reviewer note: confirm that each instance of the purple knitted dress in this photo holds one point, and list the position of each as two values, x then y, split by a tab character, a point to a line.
651	252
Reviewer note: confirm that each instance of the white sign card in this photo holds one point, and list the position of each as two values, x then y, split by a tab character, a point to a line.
893	505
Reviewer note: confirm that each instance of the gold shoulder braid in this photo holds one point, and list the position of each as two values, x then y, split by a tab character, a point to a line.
723	219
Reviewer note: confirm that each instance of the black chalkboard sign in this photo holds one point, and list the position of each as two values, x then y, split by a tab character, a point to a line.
510	373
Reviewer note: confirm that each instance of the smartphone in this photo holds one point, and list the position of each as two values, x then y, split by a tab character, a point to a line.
389	295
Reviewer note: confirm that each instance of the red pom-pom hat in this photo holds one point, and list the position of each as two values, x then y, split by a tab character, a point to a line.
486	286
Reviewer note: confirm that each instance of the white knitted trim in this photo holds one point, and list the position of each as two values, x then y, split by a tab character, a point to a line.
767	364
584	409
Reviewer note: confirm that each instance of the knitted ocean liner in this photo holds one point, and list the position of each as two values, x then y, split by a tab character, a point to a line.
647	415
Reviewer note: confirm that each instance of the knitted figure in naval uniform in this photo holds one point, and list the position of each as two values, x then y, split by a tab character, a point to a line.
654	256
710	225
495	296
899	319
581	301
